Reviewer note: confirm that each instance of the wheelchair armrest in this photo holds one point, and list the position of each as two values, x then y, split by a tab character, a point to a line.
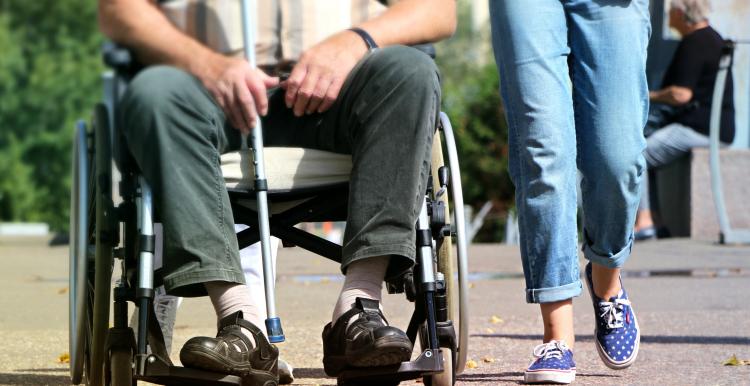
427	48
119	58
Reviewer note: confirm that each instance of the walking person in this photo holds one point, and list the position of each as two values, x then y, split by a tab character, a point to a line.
574	86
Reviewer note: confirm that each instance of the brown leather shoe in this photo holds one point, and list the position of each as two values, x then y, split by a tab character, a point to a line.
231	352
368	341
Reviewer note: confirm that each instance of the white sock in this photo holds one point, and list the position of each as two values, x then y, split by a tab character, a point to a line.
229	298
364	279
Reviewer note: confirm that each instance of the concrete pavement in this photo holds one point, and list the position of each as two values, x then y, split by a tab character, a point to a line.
691	299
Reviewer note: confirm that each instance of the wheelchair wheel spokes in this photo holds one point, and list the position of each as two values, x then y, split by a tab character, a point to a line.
92	240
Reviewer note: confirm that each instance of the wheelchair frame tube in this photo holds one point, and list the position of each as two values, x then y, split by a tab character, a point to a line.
427	274
273	323
145	290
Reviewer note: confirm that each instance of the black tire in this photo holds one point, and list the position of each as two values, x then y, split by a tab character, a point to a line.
104	238
120	368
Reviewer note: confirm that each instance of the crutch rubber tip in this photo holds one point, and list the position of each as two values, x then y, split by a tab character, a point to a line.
273	328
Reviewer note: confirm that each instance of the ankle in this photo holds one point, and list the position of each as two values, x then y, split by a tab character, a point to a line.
558	322
606	281
364	279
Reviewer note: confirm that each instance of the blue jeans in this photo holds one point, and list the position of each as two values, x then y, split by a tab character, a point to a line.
574	85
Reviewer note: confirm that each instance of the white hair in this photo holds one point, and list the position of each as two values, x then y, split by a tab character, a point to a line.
695	11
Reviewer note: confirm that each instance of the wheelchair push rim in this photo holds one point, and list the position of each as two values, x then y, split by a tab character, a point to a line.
79	207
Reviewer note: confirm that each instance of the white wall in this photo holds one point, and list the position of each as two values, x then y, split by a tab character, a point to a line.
732	19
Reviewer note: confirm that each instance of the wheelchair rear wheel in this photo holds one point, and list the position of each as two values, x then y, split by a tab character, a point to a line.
78	264
458	295
93	240
452	259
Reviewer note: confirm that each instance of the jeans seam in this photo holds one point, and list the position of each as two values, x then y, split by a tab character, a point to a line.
218	181
523	239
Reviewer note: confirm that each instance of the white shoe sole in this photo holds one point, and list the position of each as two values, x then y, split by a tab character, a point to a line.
550	376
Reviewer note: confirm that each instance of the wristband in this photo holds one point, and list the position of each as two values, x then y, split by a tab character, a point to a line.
369	41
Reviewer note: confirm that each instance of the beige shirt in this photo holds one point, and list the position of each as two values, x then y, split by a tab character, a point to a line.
285	29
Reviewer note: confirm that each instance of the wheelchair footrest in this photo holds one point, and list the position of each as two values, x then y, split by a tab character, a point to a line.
157	371
429	362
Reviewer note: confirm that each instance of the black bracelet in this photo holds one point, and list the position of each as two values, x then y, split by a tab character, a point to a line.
371	45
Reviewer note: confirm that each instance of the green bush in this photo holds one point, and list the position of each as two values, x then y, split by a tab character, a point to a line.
49	78
472	101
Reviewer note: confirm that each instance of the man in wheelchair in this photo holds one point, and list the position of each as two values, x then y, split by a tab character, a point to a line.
357	91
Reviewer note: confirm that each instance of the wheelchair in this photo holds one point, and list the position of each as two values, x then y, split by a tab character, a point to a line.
112	222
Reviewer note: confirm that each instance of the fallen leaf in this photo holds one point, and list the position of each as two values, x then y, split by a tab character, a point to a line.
63	358
733	361
62	291
495	320
488	360
490	331
471	364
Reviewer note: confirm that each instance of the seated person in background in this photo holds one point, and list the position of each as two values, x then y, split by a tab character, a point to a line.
193	103
687	92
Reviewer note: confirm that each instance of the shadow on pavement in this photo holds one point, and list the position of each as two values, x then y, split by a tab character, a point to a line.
516	376
306	372
508	376
658	339
34	379
49	370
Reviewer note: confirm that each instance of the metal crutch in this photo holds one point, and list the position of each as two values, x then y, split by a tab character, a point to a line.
273	323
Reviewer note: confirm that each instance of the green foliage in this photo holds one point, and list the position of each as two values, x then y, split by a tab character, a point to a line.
472	101
49	77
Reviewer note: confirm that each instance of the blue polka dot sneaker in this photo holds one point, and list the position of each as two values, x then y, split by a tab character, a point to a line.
617	333
553	363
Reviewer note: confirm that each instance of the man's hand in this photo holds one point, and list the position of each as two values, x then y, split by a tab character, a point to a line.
316	80
239	90
672	95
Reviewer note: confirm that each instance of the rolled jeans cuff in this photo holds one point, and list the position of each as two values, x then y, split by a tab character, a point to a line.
554	294
402	258
610	261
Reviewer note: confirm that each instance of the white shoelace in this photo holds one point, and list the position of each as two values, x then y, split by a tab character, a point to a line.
613	312
552	349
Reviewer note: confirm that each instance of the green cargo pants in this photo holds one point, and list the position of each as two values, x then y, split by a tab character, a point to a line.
385	118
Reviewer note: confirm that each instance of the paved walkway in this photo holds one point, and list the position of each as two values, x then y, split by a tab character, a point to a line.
691	299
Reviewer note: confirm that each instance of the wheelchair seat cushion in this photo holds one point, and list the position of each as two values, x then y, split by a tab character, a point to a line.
287	169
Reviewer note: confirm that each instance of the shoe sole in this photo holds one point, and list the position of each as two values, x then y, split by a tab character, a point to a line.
199	358
614	365
549	376
385	352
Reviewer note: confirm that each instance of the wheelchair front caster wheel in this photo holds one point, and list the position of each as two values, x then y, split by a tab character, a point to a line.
121	368
448	376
